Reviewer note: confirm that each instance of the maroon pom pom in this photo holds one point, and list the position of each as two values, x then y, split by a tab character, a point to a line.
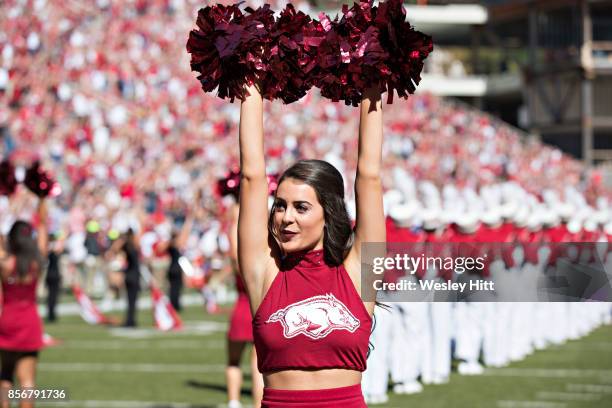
213	48
229	48
407	48
8	182
350	57
255	41
370	47
38	181
314	34
288	66
229	185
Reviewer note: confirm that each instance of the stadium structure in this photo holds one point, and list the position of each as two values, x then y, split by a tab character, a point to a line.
544	66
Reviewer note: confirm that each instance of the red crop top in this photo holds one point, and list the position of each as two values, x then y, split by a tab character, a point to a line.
311	318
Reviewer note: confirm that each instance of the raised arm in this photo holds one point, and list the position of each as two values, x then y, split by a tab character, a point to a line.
253	250
42	238
183	236
115	247
370	223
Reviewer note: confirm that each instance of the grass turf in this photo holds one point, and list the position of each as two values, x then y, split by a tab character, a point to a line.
97	363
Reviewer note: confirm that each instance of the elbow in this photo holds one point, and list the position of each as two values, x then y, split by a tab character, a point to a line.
252	175
368	184
371	173
369	166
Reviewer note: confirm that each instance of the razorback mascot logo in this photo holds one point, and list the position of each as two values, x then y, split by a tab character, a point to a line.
315	317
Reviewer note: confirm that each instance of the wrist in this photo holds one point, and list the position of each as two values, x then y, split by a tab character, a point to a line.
253	92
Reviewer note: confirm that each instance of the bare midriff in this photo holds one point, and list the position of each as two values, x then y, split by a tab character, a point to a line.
312	379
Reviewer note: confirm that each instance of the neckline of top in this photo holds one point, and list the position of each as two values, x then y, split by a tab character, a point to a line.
306	258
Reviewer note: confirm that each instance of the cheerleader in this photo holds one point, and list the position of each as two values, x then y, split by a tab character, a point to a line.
21	332
302	266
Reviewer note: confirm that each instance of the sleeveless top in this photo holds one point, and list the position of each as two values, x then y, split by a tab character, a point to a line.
132	269
20	325
53	269
311	318
174	269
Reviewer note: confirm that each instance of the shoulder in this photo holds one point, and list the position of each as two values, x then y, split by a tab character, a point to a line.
7	264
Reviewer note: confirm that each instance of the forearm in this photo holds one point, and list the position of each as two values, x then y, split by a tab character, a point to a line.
253	214
233	235
42	211
370	135
42	233
114	248
370	226
185	231
252	162
3	253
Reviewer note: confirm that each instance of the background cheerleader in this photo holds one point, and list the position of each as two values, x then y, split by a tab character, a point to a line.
21	332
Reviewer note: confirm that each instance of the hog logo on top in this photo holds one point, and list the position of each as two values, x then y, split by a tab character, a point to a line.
315	317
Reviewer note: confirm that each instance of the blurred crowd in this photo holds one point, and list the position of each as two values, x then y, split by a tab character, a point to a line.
101	92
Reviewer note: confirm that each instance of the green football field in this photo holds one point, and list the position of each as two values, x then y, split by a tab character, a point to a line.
112	367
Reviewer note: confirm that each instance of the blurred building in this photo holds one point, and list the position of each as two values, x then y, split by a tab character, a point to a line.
566	71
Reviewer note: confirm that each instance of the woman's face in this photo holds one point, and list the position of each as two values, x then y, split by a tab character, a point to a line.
298	217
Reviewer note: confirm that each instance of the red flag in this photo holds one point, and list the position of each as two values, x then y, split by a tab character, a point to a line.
193	273
164	314
88	310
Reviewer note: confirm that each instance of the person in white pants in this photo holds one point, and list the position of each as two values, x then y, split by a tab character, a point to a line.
436	364
469	317
437	344
375	380
397	341
410	328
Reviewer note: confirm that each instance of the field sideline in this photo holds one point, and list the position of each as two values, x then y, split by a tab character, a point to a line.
103	367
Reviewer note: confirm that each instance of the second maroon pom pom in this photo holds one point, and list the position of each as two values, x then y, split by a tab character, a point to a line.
38	181
8	181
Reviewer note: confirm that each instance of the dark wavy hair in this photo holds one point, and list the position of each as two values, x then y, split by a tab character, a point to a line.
327	182
23	246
